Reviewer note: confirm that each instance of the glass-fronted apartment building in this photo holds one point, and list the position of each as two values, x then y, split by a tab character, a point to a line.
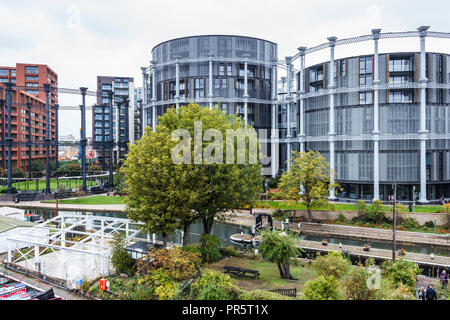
122	87
379	118
399	124
211	70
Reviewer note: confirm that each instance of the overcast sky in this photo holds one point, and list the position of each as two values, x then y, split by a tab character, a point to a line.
86	38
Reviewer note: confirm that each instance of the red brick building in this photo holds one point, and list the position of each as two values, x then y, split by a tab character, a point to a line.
28	78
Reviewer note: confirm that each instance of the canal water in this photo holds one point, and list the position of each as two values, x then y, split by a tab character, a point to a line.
223	231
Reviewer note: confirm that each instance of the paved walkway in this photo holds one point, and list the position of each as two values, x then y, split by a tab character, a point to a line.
381	253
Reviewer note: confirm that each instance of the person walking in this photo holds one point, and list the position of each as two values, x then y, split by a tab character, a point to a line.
430	293
444	279
410	207
422	294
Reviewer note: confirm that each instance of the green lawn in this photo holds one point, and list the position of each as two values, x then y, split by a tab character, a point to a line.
91	200
269	275
31	185
292	205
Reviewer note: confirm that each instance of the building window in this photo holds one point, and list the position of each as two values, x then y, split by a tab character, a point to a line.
342	67
400	96
229	69
399	64
32	70
221	69
199	86
31	78
224	83
4	72
365	97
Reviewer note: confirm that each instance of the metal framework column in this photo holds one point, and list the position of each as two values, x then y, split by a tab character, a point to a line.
331	133
423	130
144	84
246	56
83	140
119	136
30	152
177	82
57	137
111	139
376	129
153	70
8	98
47	138
210	94
301	93
288	109
274	134
103	137
2	108
126	106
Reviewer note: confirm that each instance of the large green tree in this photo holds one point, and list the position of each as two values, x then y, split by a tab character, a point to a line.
179	173
308	180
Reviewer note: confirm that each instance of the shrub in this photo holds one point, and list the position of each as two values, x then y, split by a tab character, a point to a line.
411	223
211	292
260	295
121	260
375	212
356	285
429	224
332	264
447	208
400	272
341	218
361	207
321	288
179	264
230	251
399	293
210	248
279	214
212	278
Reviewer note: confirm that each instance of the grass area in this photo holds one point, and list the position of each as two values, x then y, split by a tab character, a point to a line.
292	205
31	185
269	274
90	200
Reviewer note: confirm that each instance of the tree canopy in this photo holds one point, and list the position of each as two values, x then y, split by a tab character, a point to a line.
308	180
177	173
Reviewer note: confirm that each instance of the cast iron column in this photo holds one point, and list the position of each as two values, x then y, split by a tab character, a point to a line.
127	124
57	138
47	138
2	108
8	97
423	132
30	151
331	132
111	139
301	121
83	140
376	130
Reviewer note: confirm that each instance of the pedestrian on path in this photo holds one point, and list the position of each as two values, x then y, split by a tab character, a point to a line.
422	294
444	279
410	208
430	293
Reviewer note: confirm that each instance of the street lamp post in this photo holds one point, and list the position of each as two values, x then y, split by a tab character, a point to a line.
394	217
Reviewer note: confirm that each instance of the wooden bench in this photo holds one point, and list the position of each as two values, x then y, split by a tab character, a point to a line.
97	189
239	272
28	196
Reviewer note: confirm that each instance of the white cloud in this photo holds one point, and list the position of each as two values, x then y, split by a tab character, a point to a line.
83	39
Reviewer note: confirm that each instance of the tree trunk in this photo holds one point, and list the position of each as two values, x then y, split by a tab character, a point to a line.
309	215
185	233
207	225
164	235
280	269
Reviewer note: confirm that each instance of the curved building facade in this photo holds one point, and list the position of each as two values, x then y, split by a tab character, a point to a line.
379	119
210	70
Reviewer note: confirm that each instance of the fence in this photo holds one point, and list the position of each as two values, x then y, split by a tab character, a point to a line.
286	292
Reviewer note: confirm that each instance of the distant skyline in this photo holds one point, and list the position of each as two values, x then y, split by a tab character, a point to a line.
82	39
